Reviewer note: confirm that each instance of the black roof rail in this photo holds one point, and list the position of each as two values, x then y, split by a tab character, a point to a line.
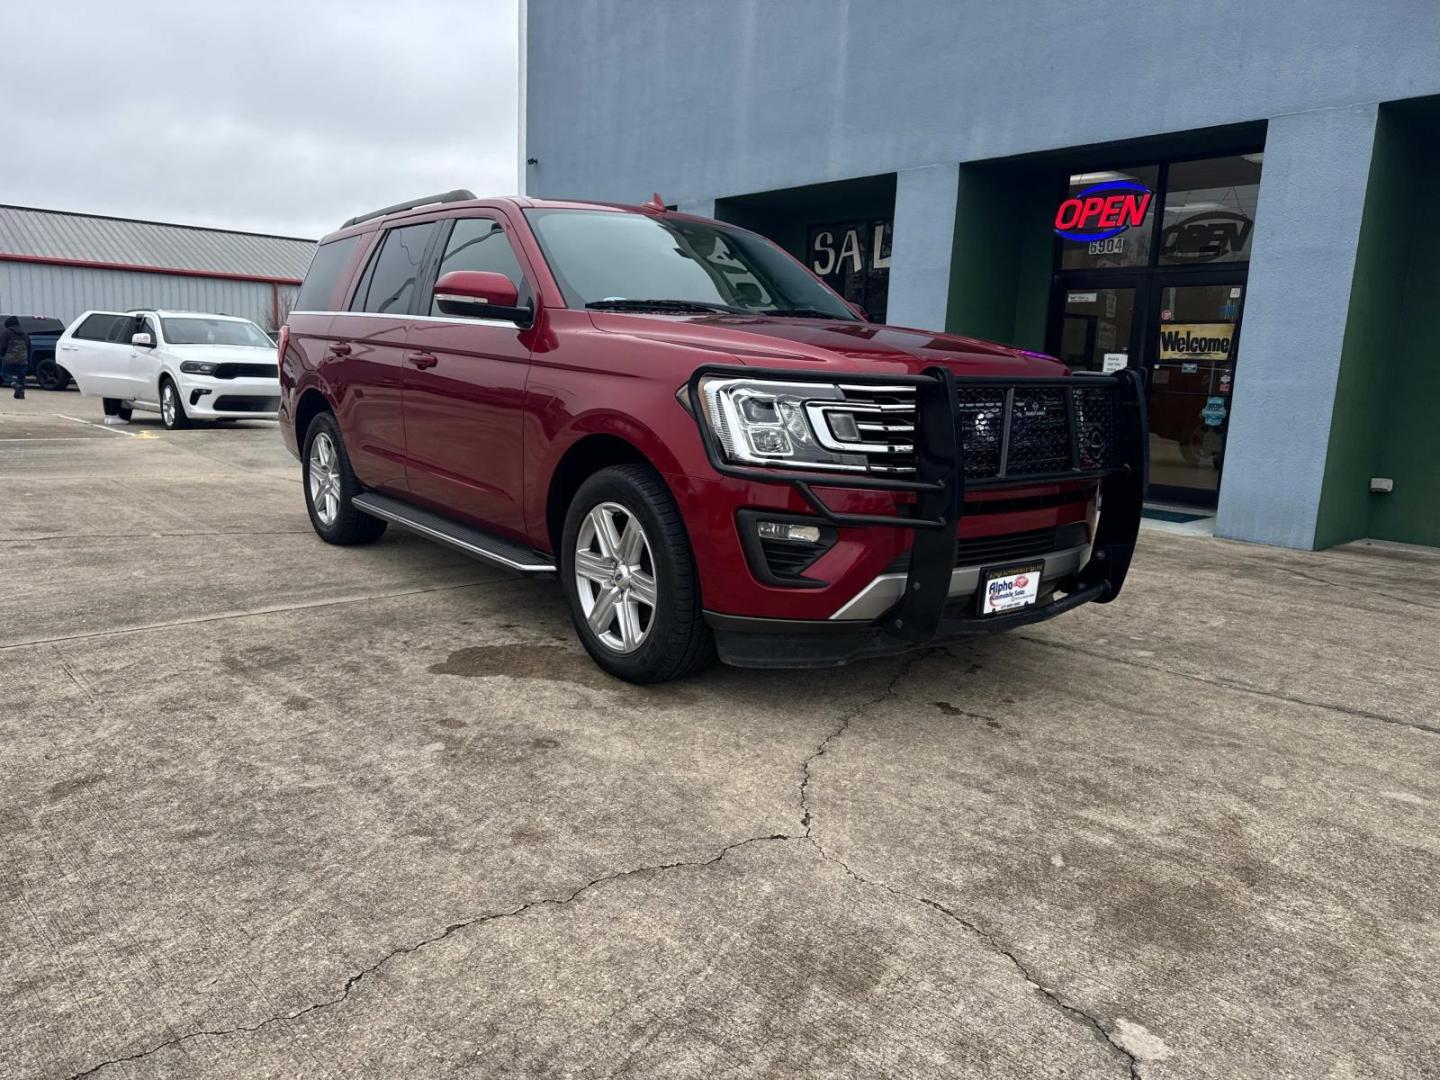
458	195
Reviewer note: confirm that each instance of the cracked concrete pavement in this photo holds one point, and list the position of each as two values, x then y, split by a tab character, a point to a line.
270	809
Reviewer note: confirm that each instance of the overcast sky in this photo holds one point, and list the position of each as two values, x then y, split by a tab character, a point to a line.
253	114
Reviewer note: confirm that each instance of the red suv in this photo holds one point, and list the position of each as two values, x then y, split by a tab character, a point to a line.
710	447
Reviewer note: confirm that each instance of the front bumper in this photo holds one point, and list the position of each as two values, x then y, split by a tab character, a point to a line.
795	643
209	398
929	602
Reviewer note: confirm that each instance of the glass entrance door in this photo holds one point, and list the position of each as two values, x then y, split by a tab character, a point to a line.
1191	354
1098	330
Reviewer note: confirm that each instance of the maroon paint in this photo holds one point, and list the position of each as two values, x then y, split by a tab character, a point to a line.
488	422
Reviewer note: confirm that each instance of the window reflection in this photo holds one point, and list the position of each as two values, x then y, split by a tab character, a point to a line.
1210	210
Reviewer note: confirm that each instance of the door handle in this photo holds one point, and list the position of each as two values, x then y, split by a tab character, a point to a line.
422	360
340	348
68	348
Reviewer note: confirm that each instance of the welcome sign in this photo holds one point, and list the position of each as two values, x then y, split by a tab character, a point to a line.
1196	341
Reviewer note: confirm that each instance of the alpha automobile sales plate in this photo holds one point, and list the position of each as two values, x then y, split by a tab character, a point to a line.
1009	588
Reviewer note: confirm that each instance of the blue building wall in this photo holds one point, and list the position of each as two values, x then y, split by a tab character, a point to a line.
706	101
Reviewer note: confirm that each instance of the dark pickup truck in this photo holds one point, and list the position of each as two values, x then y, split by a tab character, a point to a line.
42	333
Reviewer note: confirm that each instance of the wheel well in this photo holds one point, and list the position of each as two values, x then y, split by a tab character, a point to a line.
311	404
581	461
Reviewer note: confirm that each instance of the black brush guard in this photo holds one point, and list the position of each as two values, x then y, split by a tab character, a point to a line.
939	486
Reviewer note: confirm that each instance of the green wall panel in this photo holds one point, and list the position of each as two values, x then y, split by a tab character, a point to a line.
1003	255
1386	420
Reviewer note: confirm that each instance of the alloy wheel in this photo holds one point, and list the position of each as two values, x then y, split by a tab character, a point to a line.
615	577
167	404
324	479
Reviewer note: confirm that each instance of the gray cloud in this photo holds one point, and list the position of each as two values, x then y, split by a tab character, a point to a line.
254	114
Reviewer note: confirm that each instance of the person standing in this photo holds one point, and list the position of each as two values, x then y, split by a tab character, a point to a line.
14	354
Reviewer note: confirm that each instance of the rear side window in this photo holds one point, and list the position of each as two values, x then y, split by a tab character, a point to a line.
324	274
98	327
394	273
481	244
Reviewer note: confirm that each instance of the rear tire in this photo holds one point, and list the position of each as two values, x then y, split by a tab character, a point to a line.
330	484
630	580
172	409
51	376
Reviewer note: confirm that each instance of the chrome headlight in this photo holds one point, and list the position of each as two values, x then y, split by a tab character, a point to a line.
768	422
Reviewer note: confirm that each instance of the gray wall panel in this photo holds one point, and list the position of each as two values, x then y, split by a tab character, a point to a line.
63	292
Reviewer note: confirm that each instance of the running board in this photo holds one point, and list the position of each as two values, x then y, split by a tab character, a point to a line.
473	542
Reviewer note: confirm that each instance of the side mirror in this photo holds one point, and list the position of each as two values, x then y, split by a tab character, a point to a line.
481	294
858	310
142	340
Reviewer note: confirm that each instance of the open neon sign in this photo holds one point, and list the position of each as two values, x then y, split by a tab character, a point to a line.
1103	210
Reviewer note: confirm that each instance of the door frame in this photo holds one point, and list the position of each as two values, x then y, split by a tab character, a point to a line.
1231	274
1148	279
1070	281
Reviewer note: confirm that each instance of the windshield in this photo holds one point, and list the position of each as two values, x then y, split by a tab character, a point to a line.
198	330
618	259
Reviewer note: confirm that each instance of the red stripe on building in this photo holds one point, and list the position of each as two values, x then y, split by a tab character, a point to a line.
89	264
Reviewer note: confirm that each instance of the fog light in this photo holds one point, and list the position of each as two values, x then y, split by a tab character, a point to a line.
780	530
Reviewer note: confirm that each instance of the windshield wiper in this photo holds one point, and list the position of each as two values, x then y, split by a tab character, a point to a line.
664	305
807	313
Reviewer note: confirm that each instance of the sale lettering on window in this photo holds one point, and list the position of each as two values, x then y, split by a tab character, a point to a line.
854	259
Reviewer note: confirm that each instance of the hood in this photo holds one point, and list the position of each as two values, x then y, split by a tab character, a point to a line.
869	348
225	354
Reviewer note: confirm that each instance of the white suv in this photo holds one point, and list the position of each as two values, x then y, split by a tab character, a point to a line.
182	364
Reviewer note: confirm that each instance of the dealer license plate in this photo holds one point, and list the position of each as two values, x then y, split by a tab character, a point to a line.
1009	588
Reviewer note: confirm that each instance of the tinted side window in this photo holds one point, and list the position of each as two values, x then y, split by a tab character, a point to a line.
124	326
395	271
481	244
97	327
324	274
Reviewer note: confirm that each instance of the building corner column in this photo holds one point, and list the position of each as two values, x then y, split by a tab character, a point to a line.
1307	232
921	245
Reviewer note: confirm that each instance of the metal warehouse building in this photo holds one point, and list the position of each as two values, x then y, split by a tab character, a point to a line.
59	264
1235	198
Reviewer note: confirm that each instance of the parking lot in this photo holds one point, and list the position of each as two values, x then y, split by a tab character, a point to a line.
272	808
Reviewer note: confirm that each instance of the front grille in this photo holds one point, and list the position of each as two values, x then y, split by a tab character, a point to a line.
240	403
1010	547
247	371
1028	502
1052	430
884	418
1039	434
1096	423
1021	545
979	418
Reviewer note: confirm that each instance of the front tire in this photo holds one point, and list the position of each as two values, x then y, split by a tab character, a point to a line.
330	485
172	409
630	579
